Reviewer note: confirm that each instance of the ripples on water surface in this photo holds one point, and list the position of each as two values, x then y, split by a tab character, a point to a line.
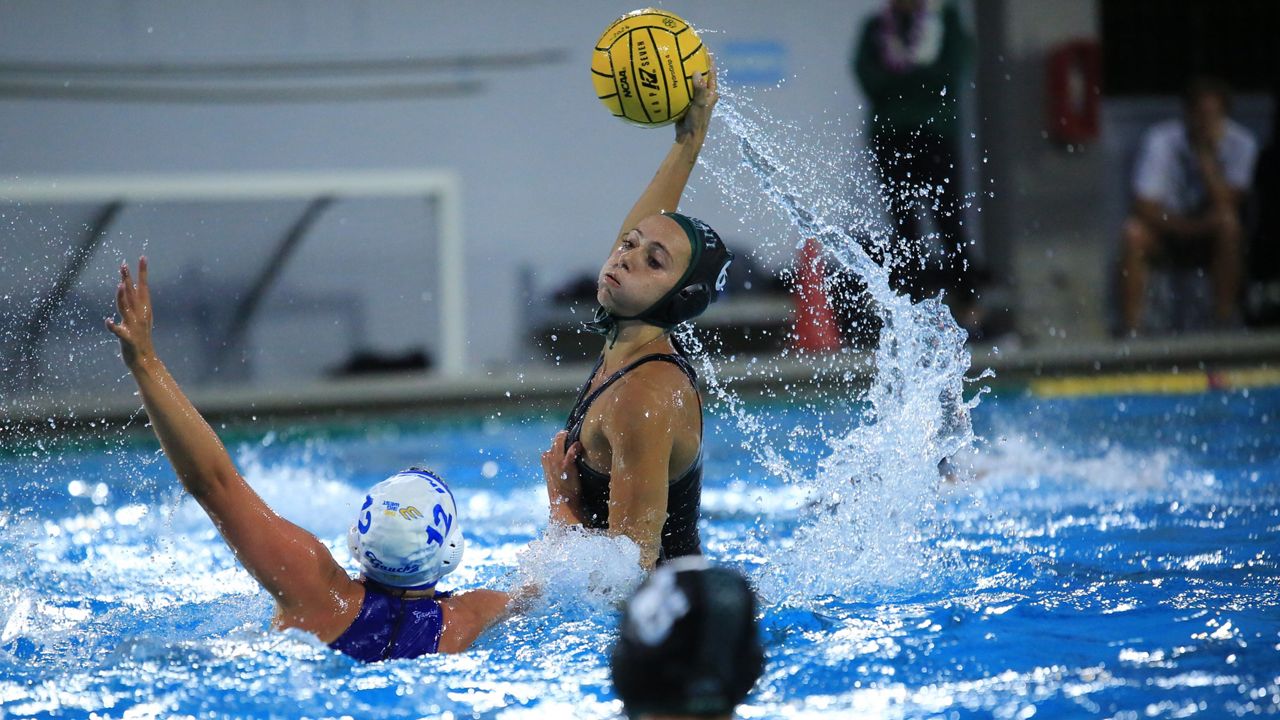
1111	558
1100	558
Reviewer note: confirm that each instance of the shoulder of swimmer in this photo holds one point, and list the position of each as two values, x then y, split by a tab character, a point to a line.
468	614
328	614
657	391
652	405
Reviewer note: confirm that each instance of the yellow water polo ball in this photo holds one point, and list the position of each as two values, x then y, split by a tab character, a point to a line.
643	67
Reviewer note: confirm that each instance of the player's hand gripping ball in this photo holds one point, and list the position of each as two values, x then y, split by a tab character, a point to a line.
643	67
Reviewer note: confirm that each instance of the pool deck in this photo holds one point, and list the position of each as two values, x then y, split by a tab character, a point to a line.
1183	364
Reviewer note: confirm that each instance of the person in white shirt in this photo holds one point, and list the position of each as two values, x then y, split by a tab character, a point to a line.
1189	183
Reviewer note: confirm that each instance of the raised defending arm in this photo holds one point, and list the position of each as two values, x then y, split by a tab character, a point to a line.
311	590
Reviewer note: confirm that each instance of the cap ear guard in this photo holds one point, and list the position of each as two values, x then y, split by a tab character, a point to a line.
690	301
451	556
353	542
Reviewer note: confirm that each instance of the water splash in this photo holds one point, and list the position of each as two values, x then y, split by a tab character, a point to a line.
873	498
1026	471
579	570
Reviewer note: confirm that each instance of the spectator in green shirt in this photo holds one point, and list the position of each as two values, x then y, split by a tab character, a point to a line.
912	59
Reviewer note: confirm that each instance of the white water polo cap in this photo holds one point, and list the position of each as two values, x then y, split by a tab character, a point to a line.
407	533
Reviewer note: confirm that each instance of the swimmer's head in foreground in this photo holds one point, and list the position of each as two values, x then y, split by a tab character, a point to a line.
406	535
688	644
665	271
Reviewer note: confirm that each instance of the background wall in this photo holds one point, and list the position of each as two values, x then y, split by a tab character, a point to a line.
547	175
1039	196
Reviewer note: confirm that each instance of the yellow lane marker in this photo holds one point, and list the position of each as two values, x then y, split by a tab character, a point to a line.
1157	383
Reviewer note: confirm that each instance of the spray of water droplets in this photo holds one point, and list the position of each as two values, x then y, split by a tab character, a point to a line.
871	517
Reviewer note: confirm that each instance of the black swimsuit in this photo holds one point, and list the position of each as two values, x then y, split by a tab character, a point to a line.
684	494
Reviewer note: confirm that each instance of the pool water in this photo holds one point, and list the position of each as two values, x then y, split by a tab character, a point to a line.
1111	557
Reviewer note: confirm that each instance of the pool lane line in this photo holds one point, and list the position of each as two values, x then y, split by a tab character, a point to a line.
1189	382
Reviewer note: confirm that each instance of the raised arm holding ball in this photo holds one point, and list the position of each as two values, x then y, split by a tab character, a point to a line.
630	456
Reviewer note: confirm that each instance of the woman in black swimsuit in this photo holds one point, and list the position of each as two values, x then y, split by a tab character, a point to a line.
630	457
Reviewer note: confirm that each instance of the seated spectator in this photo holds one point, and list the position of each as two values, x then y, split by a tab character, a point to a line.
688	645
1189	184
1264	249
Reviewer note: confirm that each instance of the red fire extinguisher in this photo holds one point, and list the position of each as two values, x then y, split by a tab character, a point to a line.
1074	89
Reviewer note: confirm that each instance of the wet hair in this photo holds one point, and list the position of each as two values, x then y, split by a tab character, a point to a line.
688	643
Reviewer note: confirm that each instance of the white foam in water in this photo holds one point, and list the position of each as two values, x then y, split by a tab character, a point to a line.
307	493
874	496
577	569
16	610
1054	478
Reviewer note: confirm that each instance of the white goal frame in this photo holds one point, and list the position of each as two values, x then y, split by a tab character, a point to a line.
441	186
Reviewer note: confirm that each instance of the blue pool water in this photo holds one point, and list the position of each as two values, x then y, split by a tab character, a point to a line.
1109	557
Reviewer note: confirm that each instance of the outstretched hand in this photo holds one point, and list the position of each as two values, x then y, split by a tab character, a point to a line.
133	301
560	469
693	124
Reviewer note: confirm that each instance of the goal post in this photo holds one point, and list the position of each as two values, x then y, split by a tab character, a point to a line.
441	187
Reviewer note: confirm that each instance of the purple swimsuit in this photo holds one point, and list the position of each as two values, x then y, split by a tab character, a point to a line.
391	627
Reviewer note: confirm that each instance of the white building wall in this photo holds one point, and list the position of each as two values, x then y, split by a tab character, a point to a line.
547	174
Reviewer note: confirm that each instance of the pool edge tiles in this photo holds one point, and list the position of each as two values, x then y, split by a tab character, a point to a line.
538	387
1191	382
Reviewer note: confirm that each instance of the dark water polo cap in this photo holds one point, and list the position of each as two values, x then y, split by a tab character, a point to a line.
700	285
688	643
